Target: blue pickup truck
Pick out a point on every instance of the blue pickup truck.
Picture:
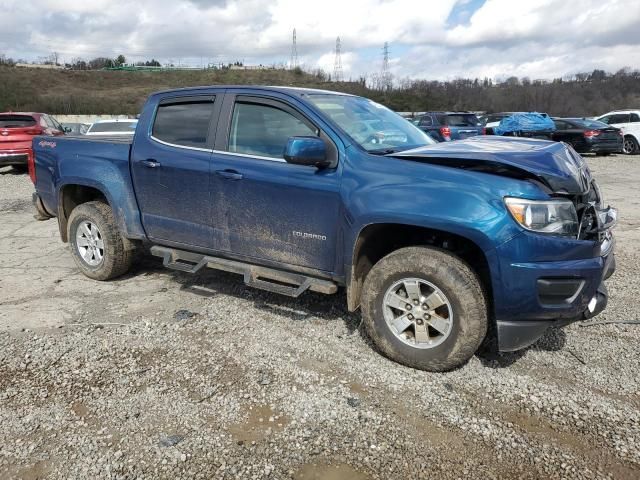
(441, 246)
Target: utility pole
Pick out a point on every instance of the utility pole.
(294, 52)
(385, 77)
(337, 64)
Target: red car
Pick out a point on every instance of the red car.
(17, 130)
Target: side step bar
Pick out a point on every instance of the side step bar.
(265, 278)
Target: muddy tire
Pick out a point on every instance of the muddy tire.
(97, 246)
(444, 319)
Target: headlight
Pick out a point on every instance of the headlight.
(557, 217)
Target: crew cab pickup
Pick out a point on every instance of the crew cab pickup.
(441, 246)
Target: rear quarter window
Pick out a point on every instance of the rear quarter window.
(16, 121)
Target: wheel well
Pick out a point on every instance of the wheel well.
(70, 197)
(377, 241)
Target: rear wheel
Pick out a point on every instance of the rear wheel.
(424, 308)
(20, 168)
(630, 146)
(97, 246)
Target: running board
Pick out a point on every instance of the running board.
(276, 281)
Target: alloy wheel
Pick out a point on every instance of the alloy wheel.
(418, 313)
(89, 243)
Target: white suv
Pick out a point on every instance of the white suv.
(629, 122)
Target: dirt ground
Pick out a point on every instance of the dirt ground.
(162, 374)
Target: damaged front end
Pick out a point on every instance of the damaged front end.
(542, 282)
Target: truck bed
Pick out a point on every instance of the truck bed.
(104, 159)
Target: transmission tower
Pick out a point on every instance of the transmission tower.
(337, 65)
(294, 52)
(385, 76)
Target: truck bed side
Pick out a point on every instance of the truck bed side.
(70, 167)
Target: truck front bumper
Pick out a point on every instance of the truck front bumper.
(540, 295)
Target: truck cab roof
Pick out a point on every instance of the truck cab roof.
(294, 91)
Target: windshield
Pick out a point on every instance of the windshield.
(111, 127)
(373, 126)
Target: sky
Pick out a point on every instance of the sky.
(431, 39)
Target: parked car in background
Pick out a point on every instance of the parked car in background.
(76, 128)
(113, 127)
(526, 124)
(17, 130)
(492, 120)
(629, 122)
(447, 126)
(588, 136)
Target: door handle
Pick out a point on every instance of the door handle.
(229, 174)
(150, 163)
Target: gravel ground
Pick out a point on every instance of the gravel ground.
(162, 374)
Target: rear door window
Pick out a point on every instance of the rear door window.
(619, 118)
(16, 121)
(184, 122)
(263, 130)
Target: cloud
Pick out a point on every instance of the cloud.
(443, 39)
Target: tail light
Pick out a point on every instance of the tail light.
(445, 131)
(31, 165)
(591, 133)
(34, 131)
(483, 131)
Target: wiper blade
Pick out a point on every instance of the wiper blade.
(384, 151)
(389, 151)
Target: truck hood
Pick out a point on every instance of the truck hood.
(555, 164)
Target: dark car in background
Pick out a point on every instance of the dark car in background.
(588, 136)
(447, 126)
(17, 130)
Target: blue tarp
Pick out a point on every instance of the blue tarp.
(525, 122)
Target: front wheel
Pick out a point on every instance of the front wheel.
(424, 307)
(97, 246)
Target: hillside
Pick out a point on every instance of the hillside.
(88, 92)
(124, 92)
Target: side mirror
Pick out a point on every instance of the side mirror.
(67, 129)
(310, 151)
